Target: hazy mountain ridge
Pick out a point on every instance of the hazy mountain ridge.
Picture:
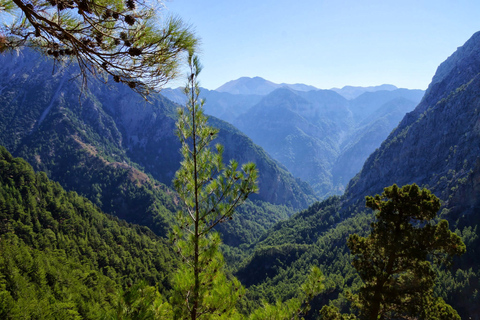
(352, 92)
(312, 132)
(320, 148)
(223, 105)
(258, 86)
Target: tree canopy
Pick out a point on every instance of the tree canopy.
(394, 261)
(123, 39)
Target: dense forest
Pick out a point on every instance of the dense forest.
(61, 257)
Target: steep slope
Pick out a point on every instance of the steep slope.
(324, 139)
(321, 137)
(366, 105)
(299, 130)
(148, 132)
(437, 144)
(368, 136)
(76, 142)
(113, 147)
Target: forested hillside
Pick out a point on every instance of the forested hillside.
(61, 257)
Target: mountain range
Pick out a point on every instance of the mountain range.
(118, 150)
(318, 135)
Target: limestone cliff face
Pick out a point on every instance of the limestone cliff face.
(438, 144)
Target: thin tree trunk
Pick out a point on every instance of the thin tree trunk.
(197, 214)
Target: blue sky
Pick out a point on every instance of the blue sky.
(327, 43)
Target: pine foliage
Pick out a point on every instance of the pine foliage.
(394, 261)
(123, 39)
(211, 191)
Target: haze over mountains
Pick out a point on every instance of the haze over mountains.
(320, 136)
(258, 86)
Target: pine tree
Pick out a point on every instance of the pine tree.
(394, 260)
(210, 191)
(123, 39)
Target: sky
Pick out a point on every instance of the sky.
(327, 44)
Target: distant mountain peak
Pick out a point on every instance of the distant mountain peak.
(258, 86)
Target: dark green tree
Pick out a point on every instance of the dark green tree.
(395, 260)
(210, 191)
(124, 39)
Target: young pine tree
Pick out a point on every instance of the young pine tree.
(210, 191)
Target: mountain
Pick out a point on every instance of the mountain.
(222, 105)
(367, 136)
(437, 145)
(119, 150)
(351, 92)
(367, 104)
(320, 136)
(299, 129)
(324, 139)
(258, 86)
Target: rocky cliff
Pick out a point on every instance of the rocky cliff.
(437, 144)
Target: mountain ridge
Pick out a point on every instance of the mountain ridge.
(258, 86)
(118, 150)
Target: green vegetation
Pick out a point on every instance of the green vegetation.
(210, 191)
(393, 261)
(107, 148)
(60, 257)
